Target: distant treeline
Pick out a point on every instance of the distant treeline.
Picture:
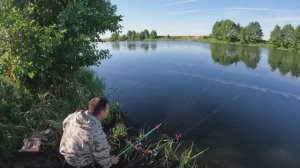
(133, 35)
(286, 62)
(287, 37)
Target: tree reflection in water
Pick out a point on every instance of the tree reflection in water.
(144, 45)
(285, 61)
(232, 54)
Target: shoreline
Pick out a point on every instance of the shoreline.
(208, 40)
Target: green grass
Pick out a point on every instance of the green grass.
(207, 39)
(169, 154)
(119, 131)
(23, 113)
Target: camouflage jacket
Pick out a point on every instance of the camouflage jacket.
(84, 141)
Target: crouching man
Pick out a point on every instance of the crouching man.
(84, 143)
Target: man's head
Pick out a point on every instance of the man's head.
(99, 107)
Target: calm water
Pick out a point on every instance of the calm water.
(243, 102)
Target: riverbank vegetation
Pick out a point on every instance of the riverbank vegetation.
(227, 31)
(286, 38)
(46, 48)
(132, 35)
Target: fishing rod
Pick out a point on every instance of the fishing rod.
(178, 137)
(143, 137)
(157, 149)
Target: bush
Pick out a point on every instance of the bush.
(15, 101)
(44, 42)
(25, 113)
(79, 88)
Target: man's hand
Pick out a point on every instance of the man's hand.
(115, 159)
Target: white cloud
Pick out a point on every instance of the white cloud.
(226, 9)
(280, 19)
(178, 3)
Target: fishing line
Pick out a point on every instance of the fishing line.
(207, 115)
(144, 156)
(222, 121)
(174, 112)
(203, 117)
(140, 139)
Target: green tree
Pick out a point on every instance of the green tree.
(231, 30)
(216, 31)
(252, 33)
(44, 45)
(239, 27)
(153, 34)
(276, 37)
(226, 30)
(115, 37)
(288, 36)
(123, 38)
(134, 35)
(146, 33)
(130, 35)
(297, 36)
(44, 41)
(141, 35)
(242, 36)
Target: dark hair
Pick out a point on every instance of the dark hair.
(97, 104)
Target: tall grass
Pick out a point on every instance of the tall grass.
(119, 131)
(23, 113)
(79, 88)
(14, 101)
(40, 114)
(160, 151)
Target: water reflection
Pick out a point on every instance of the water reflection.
(229, 54)
(132, 45)
(144, 46)
(115, 45)
(153, 46)
(285, 61)
(225, 110)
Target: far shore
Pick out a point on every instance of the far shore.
(206, 39)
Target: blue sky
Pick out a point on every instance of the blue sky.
(196, 17)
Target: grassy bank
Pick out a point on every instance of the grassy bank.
(207, 39)
(26, 114)
(45, 48)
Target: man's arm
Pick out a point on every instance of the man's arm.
(101, 150)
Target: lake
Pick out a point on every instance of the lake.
(243, 102)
